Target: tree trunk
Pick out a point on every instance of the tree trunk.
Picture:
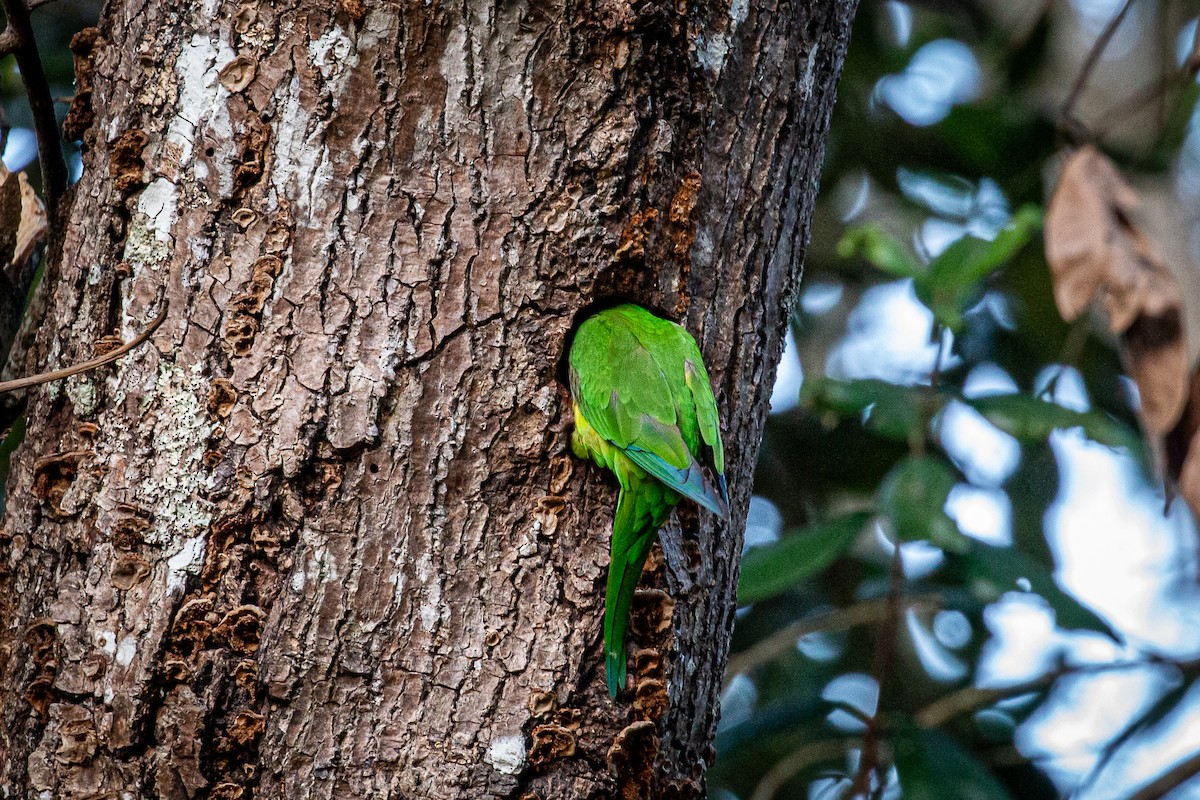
(323, 536)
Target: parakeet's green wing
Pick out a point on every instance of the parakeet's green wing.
(627, 378)
(706, 417)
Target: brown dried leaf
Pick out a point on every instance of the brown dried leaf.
(33, 224)
(1076, 228)
(1079, 228)
(1157, 360)
(1094, 250)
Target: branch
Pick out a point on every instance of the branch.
(1171, 779)
(9, 42)
(800, 759)
(41, 103)
(784, 639)
(884, 648)
(970, 698)
(90, 364)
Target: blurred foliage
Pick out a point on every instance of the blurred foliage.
(54, 23)
(850, 677)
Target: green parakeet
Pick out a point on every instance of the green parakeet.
(644, 409)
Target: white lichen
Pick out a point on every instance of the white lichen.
(738, 9)
(429, 616)
(178, 477)
(506, 754)
(143, 249)
(333, 51)
(159, 204)
(187, 559)
(202, 99)
(126, 651)
(302, 168)
(806, 81)
(711, 51)
(82, 394)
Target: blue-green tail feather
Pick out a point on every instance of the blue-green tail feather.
(692, 482)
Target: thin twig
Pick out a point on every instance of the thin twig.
(800, 759)
(41, 104)
(885, 645)
(838, 619)
(90, 364)
(1165, 55)
(1173, 778)
(889, 631)
(1072, 349)
(918, 436)
(5, 129)
(935, 374)
(971, 698)
(1067, 115)
(1192, 62)
(1124, 110)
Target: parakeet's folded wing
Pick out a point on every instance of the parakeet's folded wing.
(706, 417)
(627, 398)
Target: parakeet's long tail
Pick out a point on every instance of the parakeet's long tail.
(642, 507)
(623, 575)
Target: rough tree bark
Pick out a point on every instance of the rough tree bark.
(323, 537)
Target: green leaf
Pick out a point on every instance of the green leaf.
(894, 412)
(932, 766)
(913, 496)
(946, 194)
(995, 725)
(883, 250)
(774, 568)
(954, 279)
(992, 571)
(1032, 419)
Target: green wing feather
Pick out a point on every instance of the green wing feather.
(706, 417)
(641, 383)
(645, 410)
